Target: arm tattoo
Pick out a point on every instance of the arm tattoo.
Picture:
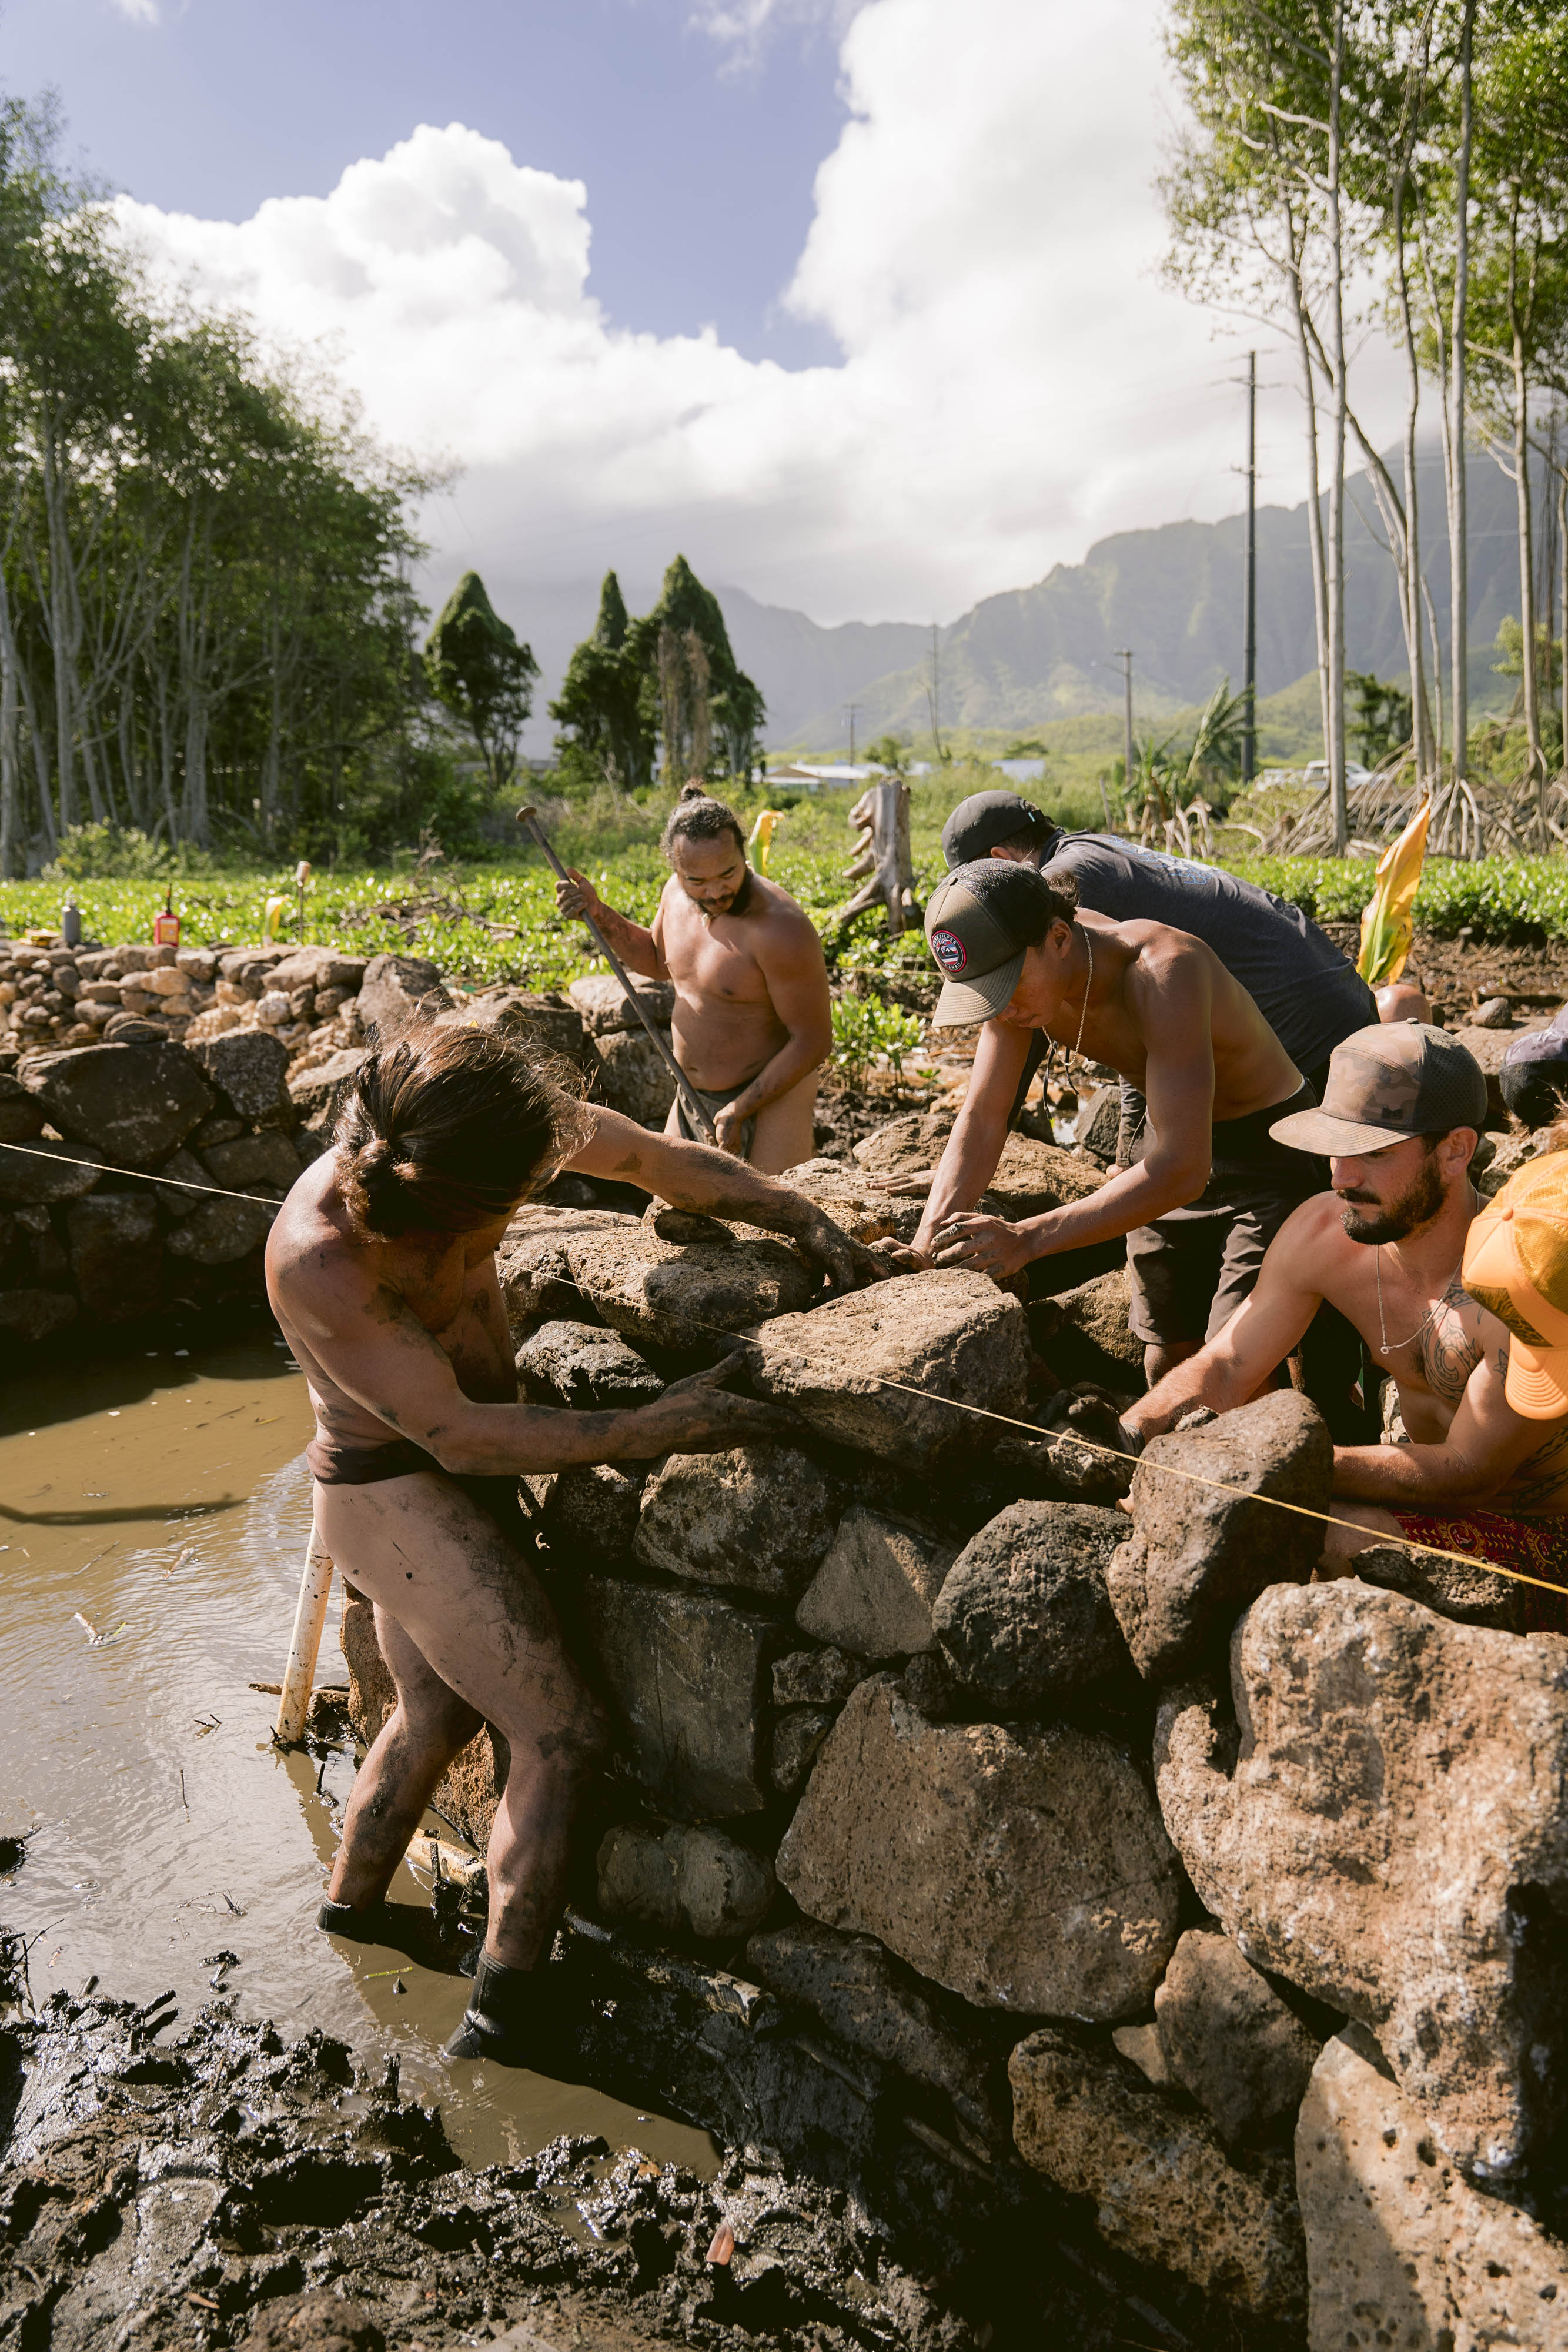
(1537, 1484)
(1448, 1353)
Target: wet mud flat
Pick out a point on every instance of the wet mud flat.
(212, 2185)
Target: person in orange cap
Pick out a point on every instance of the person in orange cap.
(1452, 1296)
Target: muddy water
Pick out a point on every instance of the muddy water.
(154, 1517)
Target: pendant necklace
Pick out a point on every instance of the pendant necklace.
(1088, 988)
(1386, 1345)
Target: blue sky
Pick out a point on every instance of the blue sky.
(699, 154)
(857, 303)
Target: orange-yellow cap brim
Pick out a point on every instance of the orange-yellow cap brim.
(1536, 1385)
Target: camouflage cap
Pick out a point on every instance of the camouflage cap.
(1386, 1083)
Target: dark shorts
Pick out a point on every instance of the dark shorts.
(1191, 1270)
(334, 1464)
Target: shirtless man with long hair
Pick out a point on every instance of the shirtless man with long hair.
(382, 1271)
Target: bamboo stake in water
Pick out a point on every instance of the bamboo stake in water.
(309, 1617)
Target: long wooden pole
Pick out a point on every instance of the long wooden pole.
(695, 1111)
(310, 1618)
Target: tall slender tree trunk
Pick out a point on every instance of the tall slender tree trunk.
(1562, 611)
(1529, 683)
(1458, 531)
(1315, 506)
(11, 859)
(1420, 709)
(1335, 748)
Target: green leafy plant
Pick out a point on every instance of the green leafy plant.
(866, 1031)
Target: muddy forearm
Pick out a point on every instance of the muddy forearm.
(503, 1441)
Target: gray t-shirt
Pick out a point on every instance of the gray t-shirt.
(1309, 996)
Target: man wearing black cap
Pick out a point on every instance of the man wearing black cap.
(1306, 992)
(1159, 1006)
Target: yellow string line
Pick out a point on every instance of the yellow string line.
(981, 1412)
(67, 1159)
(1171, 1469)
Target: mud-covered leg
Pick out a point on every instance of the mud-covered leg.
(398, 1778)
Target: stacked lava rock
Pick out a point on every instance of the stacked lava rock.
(1101, 1860)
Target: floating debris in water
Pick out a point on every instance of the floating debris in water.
(95, 1640)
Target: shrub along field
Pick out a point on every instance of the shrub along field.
(497, 921)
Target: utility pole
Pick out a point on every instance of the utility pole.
(933, 697)
(1250, 585)
(1124, 653)
(851, 707)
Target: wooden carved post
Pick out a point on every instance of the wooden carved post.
(882, 854)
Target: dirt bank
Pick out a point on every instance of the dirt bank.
(217, 2186)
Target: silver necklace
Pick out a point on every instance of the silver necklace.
(1385, 1345)
(1077, 1047)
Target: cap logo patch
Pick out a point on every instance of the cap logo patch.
(949, 951)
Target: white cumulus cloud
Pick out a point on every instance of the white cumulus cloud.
(1014, 380)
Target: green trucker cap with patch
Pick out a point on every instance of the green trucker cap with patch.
(981, 919)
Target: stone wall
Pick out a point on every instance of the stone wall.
(1228, 1909)
(220, 1067)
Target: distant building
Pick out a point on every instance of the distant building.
(812, 775)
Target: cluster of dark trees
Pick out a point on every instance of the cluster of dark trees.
(668, 680)
(1406, 158)
(207, 631)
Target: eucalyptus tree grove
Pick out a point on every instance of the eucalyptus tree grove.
(1401, 161)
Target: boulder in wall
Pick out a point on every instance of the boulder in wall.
(248, 1067)
(1394, 1839)
(1026, 1872)
(1164, 2189)
(633, 1077)
(1024, 1618)
(694, 1295)
(757, 1516)
(396, 991)
(133, 1104)
(548, 1022)
(116, 1255)
(896, 1370)
(698, 1880)
(1206, 1543)
(876, 1587)
(1400, 2249)
(584, 1367)
(1227, 2038)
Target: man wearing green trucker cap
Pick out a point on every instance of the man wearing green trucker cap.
(1304, 988)
(1208, 1187)
(1408, 1250)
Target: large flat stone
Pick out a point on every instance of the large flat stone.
(584, 1367)
(694, 1296)
(548, 1021)
(1394, 1839)
(600, 1002)
(1029, 1873)
(1163, 2189)
(1401, 2250)
(44, 1171)
(889, 1369)
(1205, 1544)
(760, 1517)
(1024, 1619)
(686, 1674)
(133, 1104)
(875, 1589)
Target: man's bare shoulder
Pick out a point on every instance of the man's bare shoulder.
(1313, 1240)
(782, 918)
(310, 1241)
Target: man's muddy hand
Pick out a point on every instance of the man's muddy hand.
(729, 1131)
(849, 1265)
(698, 1415)
(1090, 1412)
(981, 1246)
(577, 897)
